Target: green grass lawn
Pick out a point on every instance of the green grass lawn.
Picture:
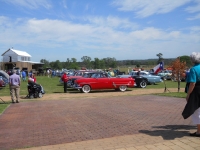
(3, 107)
(52, 85)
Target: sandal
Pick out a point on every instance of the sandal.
(195, 134)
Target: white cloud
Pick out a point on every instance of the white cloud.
(194, 17)
(195, 28)
(64, 3)
(3, 20)
(194, 9)
(152, 34)
(59, 31)
(145, 8)
(87, 6)
(31, 4)
(113, 22)
(95, 38)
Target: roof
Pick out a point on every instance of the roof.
(19, 53)
(33, 62)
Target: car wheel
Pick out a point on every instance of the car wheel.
(143, 84)
(123, 88)
(86, 89)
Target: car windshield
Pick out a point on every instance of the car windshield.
(95, 75)
(87, 75)
(123, 76)
(99, 75)
(146, 73)
(79, 73)
(141, 73)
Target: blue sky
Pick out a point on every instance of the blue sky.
(123, 29)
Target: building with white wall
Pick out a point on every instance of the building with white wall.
(18, 59)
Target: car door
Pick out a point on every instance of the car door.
(104, 82)
(94, 81)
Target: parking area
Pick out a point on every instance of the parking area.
(56, 122)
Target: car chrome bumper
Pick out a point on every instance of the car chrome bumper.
(76, 87)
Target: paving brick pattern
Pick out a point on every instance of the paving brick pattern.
(41, 123)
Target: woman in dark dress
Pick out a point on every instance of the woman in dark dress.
(192, 107)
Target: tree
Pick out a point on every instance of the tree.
(56, 65)
(186, 59)
(113, 63)
(160, 58)
(110, 62)
(96, 63)
(178, 69)
(66, 64)
(86, 61)
(128, 62)
(138, 65)
(73, 64)
(102, 64)
(45, 62)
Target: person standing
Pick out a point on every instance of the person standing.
(192, 107)
(138, 73)
(23, 75)
(64, 79)
(14, 83)
(48, 72)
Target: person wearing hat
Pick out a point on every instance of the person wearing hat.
(64, 79)
(14, 84)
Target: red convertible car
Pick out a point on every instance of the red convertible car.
(102, 80)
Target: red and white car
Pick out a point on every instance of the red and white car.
(75, 74)
(102, 80)
(2, 83)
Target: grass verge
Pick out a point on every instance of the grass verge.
(173, 94)
(3, 107)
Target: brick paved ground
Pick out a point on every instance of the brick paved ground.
(42, 123)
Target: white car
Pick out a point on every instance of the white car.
(165, 74)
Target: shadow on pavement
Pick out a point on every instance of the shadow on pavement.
(169, 132)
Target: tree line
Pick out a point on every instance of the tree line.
(105, 63)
